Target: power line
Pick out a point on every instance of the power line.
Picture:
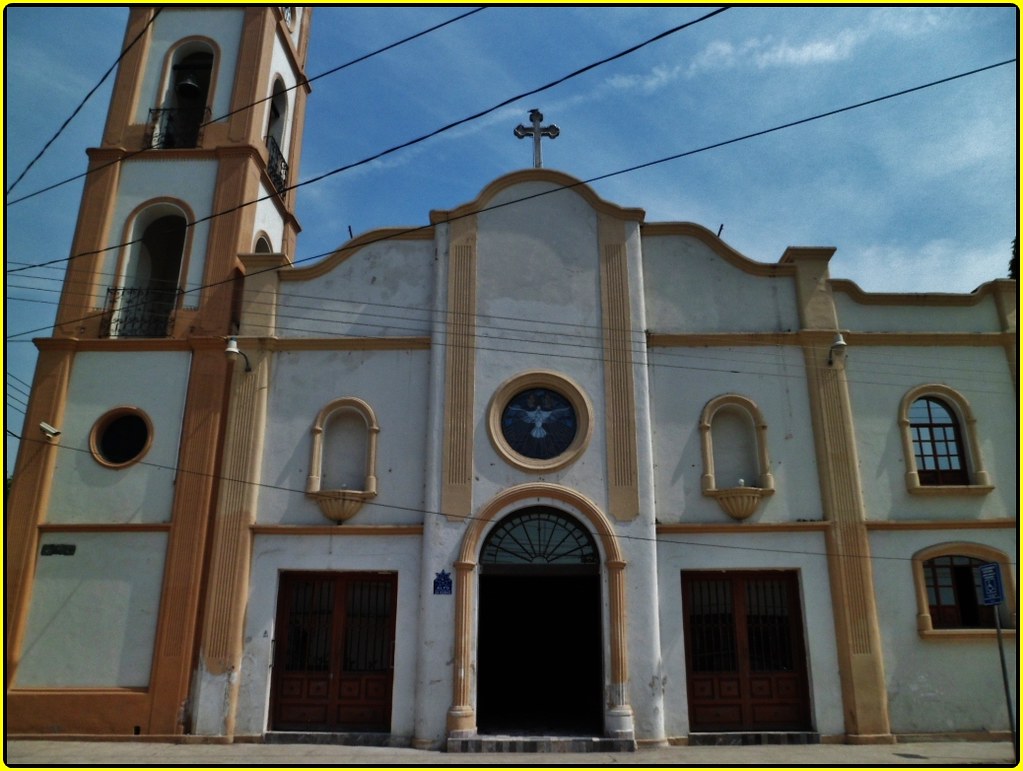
(621, 536)
(540, 194)
(403, 145)
(567, 335)
(233, 112)
(81, 104)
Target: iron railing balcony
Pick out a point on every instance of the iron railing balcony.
(176, 127)
(139, 312)
(276, 166)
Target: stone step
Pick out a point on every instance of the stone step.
(734, 738)
(499, 743)
(348, 738)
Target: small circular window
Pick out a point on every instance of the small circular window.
(539, 421)
(121, 437)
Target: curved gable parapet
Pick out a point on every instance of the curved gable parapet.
(863, 297)
(719, 247)
(564, 182)
(327, 264)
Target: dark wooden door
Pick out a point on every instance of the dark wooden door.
(334, 658)
(745, 658)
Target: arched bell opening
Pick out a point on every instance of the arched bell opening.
(540, 643)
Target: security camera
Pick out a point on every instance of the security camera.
(49, 430)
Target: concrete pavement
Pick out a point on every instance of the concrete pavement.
(32, 752)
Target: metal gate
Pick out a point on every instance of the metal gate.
(745, 658)
(334, 657)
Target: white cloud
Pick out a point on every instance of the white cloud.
(940, 265)
(834, 49)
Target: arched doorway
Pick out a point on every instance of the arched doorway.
(539, 646)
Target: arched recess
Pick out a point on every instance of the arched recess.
(143, 301)
(977, 551)
(276, 136)
(263, 245)
(978, 480)
(184, 105)
(346, 432)
(736, 463)
(618, 721)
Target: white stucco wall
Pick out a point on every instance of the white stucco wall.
(268, 220)
(273, 554)
(381, 290)
(683, 380)
(92, 618)
(878, 379)
(937, 685)
(916, 317)
(393, 383)
(804, 552)
(689, 288)
(84, 491)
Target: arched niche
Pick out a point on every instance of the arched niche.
(736, 465)
(342, 469)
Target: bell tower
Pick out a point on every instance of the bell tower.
(201, 144)
(190, 184)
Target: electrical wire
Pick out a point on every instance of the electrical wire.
(250, 106)
(495, 332)
(666, 159)
(82, 103)
(403, 145)
(424, 513)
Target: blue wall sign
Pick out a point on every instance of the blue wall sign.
(991, 583)
(442, 583)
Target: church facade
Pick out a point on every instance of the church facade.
(538, 468)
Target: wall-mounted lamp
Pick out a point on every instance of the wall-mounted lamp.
(50, 431)
(233, 352)
(837, 350)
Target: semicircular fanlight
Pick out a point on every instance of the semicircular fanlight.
(539, 536)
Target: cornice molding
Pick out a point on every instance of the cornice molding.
(565, 181)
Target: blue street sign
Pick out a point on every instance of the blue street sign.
(991, 583)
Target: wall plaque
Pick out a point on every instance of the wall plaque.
(442, 583)
(61, 549)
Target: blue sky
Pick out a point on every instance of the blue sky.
(918, 193)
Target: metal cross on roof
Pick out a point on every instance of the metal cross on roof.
(536, 131)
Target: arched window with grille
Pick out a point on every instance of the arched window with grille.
(939, 436)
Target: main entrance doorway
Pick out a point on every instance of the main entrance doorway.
(745, 658)
(539, 662)
(334, 652)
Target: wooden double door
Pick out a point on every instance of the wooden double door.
(745, 654)
(334, 652)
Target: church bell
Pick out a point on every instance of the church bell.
(188, 87)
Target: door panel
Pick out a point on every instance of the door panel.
(745, 658)
(333, 668)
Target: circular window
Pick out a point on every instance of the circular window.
(121, 437)
(539, 421)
